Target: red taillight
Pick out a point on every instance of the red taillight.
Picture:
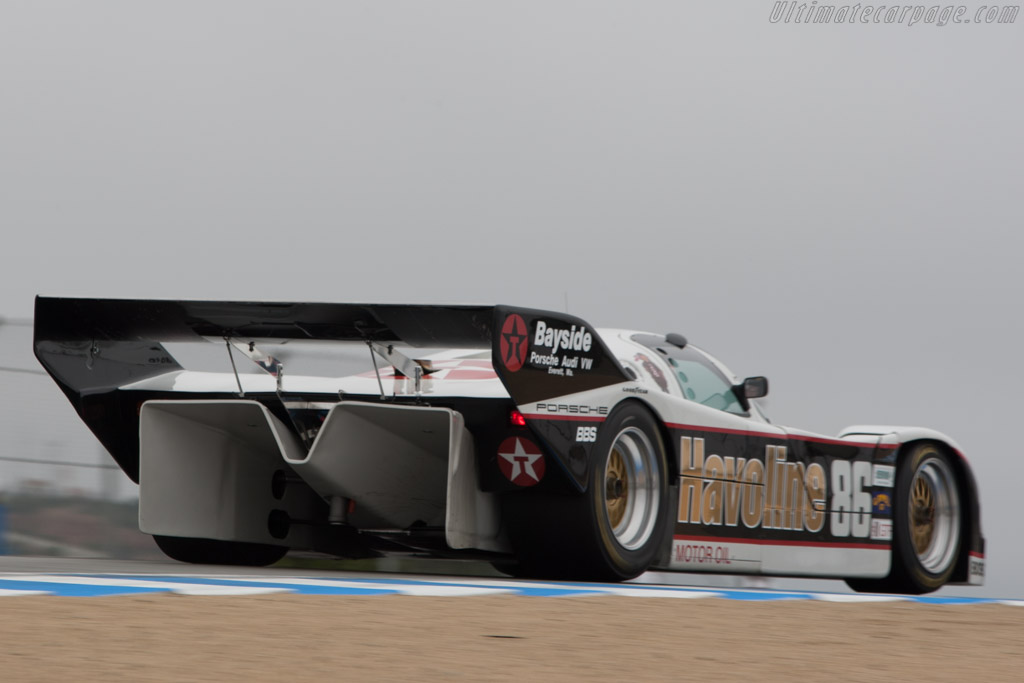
(517, 419)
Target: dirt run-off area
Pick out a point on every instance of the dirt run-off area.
(169, 637)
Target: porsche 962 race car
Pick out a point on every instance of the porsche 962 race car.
(524, 437)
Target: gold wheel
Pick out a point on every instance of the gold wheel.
(616, 488)
(632, 488)
(922, 514)
(933, 514)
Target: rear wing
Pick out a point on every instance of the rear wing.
(100, 344)
(93, 347)
(121, 320)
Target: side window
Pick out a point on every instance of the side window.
(701, 382)
(698, 378)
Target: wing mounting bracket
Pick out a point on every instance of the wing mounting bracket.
(416, 369)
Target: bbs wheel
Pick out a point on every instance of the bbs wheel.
(614, 530)
(628, 490)
(927, 524)
(209, 551)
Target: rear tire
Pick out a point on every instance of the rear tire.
(928, 525)
(209, 551)
(615, 530)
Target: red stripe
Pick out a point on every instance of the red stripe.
(717, 430)
(571, 418)
(862, 444)
(980, 556)
(781, 437)
(762, 541)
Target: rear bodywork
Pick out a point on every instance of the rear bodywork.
(414, 453)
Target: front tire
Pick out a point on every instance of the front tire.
(209, 551)
(614, 530)
(927, 525)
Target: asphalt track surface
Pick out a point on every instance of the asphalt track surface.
(23, 576)
(103, 620)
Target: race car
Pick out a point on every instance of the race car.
(523, 437)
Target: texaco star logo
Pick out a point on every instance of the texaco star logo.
(513, 342)
(521, 461)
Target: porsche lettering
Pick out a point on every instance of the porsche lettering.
(571, 409)
(538, 359)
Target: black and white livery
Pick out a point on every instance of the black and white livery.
(520, 436)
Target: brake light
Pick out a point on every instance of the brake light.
(517, 419)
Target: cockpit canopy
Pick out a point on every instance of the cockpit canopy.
(699, 379)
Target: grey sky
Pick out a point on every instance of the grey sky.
(837, 207)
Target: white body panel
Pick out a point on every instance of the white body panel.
(786, 560)
(893, 434)
(454, 376)
(392, 461)
(207, 467)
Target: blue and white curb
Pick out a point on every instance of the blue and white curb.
(97, 585)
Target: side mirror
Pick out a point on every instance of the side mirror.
(751, 387)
